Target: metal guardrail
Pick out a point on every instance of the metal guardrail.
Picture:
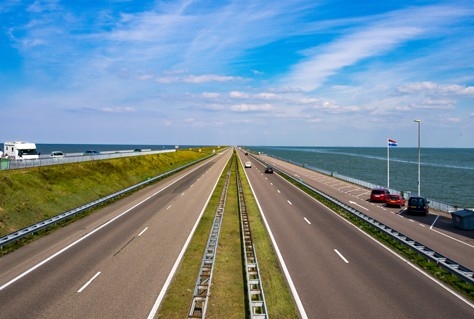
(53, 220)
(73, 158)
(447, 208)
(203, 282)
(255, 294)
(450, 265)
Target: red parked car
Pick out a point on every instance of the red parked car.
(395, 200)
(379, 195)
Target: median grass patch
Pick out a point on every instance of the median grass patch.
(228, 289)
(227, 299)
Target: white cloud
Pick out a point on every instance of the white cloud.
(208, 95)
(313, 71)
(453, 119)
(118, 109)
(267, 96)
(377, 38)
(436, 89)
(209, 78)
(238, 95)
(196, 79)
(251, 107)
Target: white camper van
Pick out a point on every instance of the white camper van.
(20, 150)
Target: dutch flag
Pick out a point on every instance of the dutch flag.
(392, 142)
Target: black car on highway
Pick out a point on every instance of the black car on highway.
(269, 170)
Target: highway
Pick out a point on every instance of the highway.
(435, 230)
(113, 263)
(337, 270)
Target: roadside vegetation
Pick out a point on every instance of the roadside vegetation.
(457, 283)
(28, 196)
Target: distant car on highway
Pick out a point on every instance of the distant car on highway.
(248, 164)
(395, 200)
(57, 154)
(91, 152)
(379, 195)
(269, 170)
(417, 205)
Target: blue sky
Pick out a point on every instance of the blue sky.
(243, 72)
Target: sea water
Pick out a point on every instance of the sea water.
(447, 174)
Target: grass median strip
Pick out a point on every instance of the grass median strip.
(228, 296)
(227, 299)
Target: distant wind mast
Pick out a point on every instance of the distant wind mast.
(390, 142)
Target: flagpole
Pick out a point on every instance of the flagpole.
(388, 164)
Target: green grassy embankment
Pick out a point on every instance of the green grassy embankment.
(30, 195)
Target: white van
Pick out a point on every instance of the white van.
(20, 150)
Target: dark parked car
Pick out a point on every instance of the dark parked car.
(269, 170)
(417, 205)
(91, 152)
(379, 195)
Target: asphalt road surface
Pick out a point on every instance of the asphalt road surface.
(434, 231)
(337, 270)
(113, 263)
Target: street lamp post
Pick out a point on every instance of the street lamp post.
(419, 172)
